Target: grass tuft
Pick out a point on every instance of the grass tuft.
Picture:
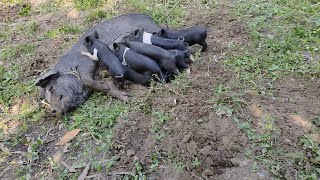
(163, 12)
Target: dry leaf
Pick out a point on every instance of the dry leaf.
(300, 121)
(68, 137)
(70, 168)
(85, 172)
(257, 112)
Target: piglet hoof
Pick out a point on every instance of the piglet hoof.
(115, 92)
(192, 58)
(188, 71)
(93, 56)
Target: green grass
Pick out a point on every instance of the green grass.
(89, 4)
(10, 86)
(281, 33)
(97, 15)
(25, 10)
(163, 12)
(97, 116)
(64, 30)
(10, 52)
(47, 7)
(284, 41)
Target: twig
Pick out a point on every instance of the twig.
(178, 94)
(70, 168)
(93, 176)
(85, 172)
(120, 173)
(173, 109)
(4, 171)
(175, 5)
(100, 142)
(193, 175)
(155, 147)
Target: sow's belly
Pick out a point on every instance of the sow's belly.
(115, 29)
(109, 31)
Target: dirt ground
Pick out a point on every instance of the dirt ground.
(194, 130)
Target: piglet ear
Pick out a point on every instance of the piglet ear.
(95, 34)
(116, 47)
(137, 32)
(87, 41)
(161, 32)
(43, 80)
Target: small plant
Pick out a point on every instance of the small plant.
(225, 101)
(25, 10)
(64, 30)
(156, 127)
(97, 15)
(88, 4)
(196, 162)
(155, 163)
(168, 12)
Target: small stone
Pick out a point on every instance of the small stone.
(263, 175)
(116, 157)
(130, 152)
(187, 137)
(200, 120)
(73, 14)
(205, 150)
(208, 172)
(235, 161)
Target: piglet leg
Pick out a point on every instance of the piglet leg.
(106, 86)
(115, 92)
(93, 56)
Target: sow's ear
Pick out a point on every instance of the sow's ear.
(43, 80)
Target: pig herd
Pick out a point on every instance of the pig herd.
(131, 47)
(142, 57)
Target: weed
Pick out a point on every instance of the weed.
(88, 4)
(154, 164)
(181, 83)
(311, 165)
(196, 162)
(64, 30)
(225, 101)
(161, 118)
(50, 6)
(12, 2)
(168, 12)
(97, 15)
(25, 10)
(97, 116)
(284, 40)
(10, 87)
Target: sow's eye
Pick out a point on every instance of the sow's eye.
(60, 97)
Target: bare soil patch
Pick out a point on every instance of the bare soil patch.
(195, 130)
